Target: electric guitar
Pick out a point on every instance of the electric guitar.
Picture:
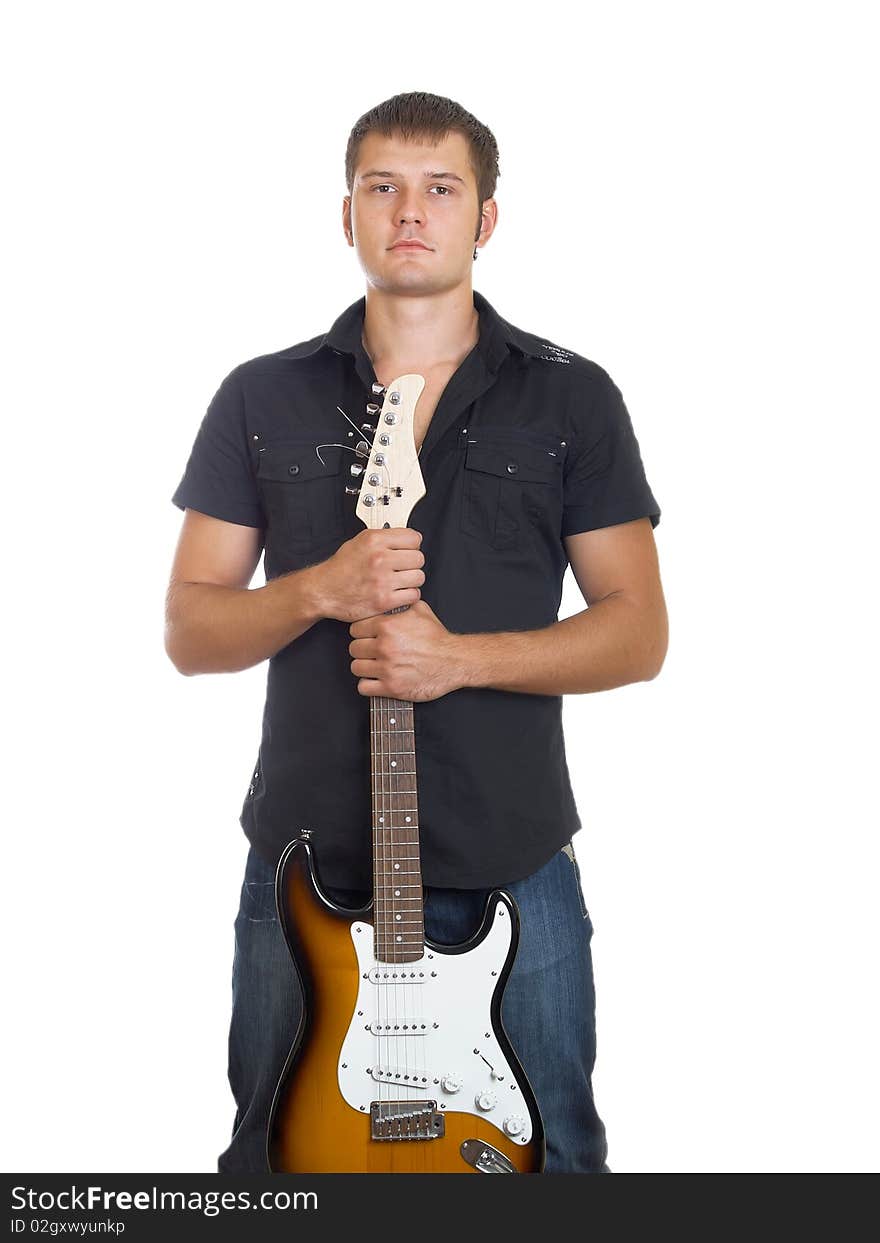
(400, 1063)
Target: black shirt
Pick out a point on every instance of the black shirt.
(529, 443)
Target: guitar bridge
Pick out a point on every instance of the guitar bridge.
(399, 1120)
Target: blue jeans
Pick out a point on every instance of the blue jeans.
(548, 1010)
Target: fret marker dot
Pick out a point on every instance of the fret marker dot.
(408, 818)
(398, 938)
(381, 819)
(394, 763)
(397, 893)
(393, 722)
(397, 865)
(397, 917)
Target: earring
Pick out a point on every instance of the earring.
(475, 252)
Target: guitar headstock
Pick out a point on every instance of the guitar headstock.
(391, 479)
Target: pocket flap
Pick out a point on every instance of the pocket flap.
(514, 460)
(297, 461)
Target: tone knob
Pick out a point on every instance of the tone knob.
(450, 1083)
(514, 1125)
(486, 1101)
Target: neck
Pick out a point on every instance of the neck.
(413, 334)
(397, 877)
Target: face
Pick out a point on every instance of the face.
(419, 192)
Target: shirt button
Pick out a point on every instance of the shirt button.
(293, 470)
(512, 468)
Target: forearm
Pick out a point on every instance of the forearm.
(613, 643)
(215, 629)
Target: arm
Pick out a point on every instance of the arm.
(621, 638)
(214, 623)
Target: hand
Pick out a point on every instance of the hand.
(409, 655)
(377, 570)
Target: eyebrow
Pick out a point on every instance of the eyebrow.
(383, 172)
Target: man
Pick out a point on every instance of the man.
(530, 463)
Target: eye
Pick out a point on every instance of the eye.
(446, 190)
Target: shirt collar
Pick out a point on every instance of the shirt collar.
(497, 336)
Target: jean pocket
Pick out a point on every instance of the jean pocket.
(568, 850)
(257, 899)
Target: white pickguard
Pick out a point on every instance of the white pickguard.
(417, 1024)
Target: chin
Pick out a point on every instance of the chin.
(414, 283)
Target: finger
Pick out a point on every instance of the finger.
(370, 686)
(405, 558)
(408, 578)
(363, 668)
(364, 628)
(393, 537)
(406, 595)
(403, 537)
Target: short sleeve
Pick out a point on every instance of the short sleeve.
(219, 478)
(605, 480)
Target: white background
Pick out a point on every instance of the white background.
(688, 197)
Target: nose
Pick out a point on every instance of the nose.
(408, 208)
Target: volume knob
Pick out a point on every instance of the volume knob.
(486, 1101)
(450, 1083)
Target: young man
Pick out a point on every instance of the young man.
(530, 462)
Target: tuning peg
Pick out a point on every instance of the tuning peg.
(356, 470)
(378, 390)
(353, 491)
(362, 449)
(368, 427)
(372, 408)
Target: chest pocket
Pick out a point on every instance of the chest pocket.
(512, 483)
(302, 497)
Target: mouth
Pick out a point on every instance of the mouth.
(409, 246)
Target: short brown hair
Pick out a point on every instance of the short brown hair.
(418, 115)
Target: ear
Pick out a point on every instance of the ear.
(488, 220)
(346, 220)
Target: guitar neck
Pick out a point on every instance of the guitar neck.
(397, 872)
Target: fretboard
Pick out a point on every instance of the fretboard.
(397, 873)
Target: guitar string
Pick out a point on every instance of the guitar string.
(408, 996)
(377, 842)
(382, 996)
